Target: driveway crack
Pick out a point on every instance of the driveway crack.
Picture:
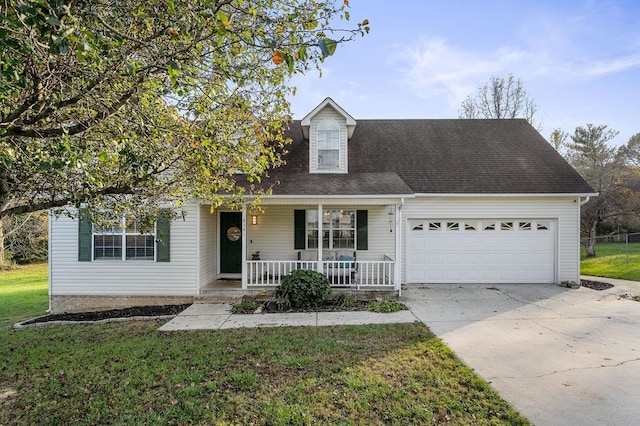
(566, 370)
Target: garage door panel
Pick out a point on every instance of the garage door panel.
(510, 250)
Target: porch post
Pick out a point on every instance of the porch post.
(320, 266)
(244, 247)
(397, 270)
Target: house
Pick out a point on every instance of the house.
(374, 204)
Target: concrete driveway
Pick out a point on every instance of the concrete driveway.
(559, 356)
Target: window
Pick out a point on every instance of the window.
(328, 145)
(453, 226)
(525, 226)
(434, 226)
(123, 240)
(338, 229)
(506, 226)
(489, 225)
(543, 225)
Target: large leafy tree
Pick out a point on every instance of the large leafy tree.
(500, 98)
(130, 103)
(603, 166)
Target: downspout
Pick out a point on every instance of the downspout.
(584, 200)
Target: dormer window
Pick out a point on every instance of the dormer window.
(328, 129)
(328, 144)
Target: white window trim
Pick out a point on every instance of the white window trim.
(330, 229)
(123, 242)
(325, 128)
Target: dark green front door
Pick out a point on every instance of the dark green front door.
(230, 242)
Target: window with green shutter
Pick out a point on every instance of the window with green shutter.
(123, 239)
(341, 229)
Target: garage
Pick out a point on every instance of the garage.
(481, 250)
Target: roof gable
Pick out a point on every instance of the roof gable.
(328, 102)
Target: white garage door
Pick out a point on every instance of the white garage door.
(481, 251)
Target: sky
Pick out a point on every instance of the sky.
(578, 60)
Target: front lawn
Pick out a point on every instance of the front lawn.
(129, 373)
(23, 293)
(611, 261)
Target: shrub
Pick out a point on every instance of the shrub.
(303, 288)
(386, 306)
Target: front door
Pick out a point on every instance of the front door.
(230, 242)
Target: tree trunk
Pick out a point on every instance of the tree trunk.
(590, 247)
(2, 262)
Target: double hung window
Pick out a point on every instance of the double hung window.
(123, 240)
(328, 145)
(338, 229)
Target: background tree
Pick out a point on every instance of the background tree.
(500, 98)
(123, 105)
(25, 237)
(558, 140)
(603, 167)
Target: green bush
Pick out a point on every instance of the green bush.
(303, 288)
(386, 306)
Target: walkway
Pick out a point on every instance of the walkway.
(203, 316)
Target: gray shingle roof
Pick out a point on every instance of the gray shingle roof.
(435, 157)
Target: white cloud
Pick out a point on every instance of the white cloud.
(435, 68)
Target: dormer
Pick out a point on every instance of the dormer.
(328, 129)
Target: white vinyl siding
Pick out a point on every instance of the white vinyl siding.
(175, 278)
(208, 244)
(561, 209)
(274, 234)
(322, 118)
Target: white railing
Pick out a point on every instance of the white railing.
(269, 272)
(359, 273)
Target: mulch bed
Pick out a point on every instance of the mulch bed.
(137, 311)
(326, 306)
(595, 285)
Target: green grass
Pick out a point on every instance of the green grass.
(23, 293)
(129, 373)
(611, 261)
(386, 306)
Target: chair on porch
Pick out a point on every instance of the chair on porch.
(340, 267)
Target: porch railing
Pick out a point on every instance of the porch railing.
(359, 273)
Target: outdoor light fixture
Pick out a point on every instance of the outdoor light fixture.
(254, 219)
(391, 218)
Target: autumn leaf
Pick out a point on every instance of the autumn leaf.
(278, 58)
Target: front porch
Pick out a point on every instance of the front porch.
(356, 245)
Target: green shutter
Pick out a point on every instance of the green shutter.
(299, 225)
(163, 238)
(84, 236)
(362, 231)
